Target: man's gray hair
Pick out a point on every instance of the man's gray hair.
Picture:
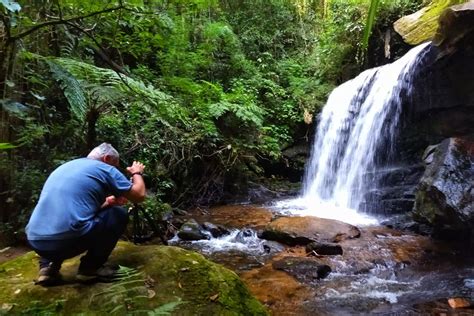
(104, 149)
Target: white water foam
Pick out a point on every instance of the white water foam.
(324, 209)
(245, 242)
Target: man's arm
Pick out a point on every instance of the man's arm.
(138, 191)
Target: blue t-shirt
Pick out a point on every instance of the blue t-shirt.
(72, 196)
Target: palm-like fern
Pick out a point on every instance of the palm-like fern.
(134, 90)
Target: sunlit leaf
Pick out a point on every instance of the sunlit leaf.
(370, 21)
(4, 146)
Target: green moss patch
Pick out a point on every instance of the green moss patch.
(421, 26)
(156, 280)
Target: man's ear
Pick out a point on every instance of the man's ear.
(110, 160)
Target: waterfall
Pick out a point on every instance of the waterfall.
(356, 131)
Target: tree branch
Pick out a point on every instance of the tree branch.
(6, 24)
(100, 50)
(63, 21)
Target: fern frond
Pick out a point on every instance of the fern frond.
(135, 89)
(72, 90)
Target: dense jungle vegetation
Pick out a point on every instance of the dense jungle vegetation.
(207, 93)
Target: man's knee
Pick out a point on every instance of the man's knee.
(114, 217)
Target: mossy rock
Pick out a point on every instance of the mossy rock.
(158, 280)
(422, 25)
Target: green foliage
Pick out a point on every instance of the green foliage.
(4, 146)
(370, 22)
(198, 90)
(72, 90)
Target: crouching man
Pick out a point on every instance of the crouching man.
(79, 211)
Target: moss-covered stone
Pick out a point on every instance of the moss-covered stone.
(422, 25)
(157, 278)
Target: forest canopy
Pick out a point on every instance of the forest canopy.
(207, 93)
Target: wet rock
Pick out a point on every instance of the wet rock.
(267, 248)
(243, 234)
(259, 194)
(455, 25)
(329, 249)
(177, 222)
(445, 197)
(179, 212)
(406, 222)
(304, 230)
(215, 230)
(191, 230)
(251, 216)
(305, 270)
(395, 190)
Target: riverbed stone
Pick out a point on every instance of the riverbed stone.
(445, 196)
(215, 230)
(155, 276)
(191, 230)
(305, 270)
(307, 229)
(324, 248)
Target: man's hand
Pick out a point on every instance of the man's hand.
(137, 192)
(136, 167)
(114, 201)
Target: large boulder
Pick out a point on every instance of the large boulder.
(422, 25)
(307, 229)
(445, 197)
(455, 26)
(159, 280)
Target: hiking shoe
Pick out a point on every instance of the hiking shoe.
(103, 272)
(48, 276)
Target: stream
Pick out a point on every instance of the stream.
(383, 272)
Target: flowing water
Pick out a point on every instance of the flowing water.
(355, 136)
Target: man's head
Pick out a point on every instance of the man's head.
(105, 153)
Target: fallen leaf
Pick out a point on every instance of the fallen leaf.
(7, 307)
(459, 302)
(214, 297)
(179, 285)
(151, 293)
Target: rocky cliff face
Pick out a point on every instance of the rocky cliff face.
(441, 111)
(445, 196)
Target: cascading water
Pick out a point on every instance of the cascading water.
(356, 131)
